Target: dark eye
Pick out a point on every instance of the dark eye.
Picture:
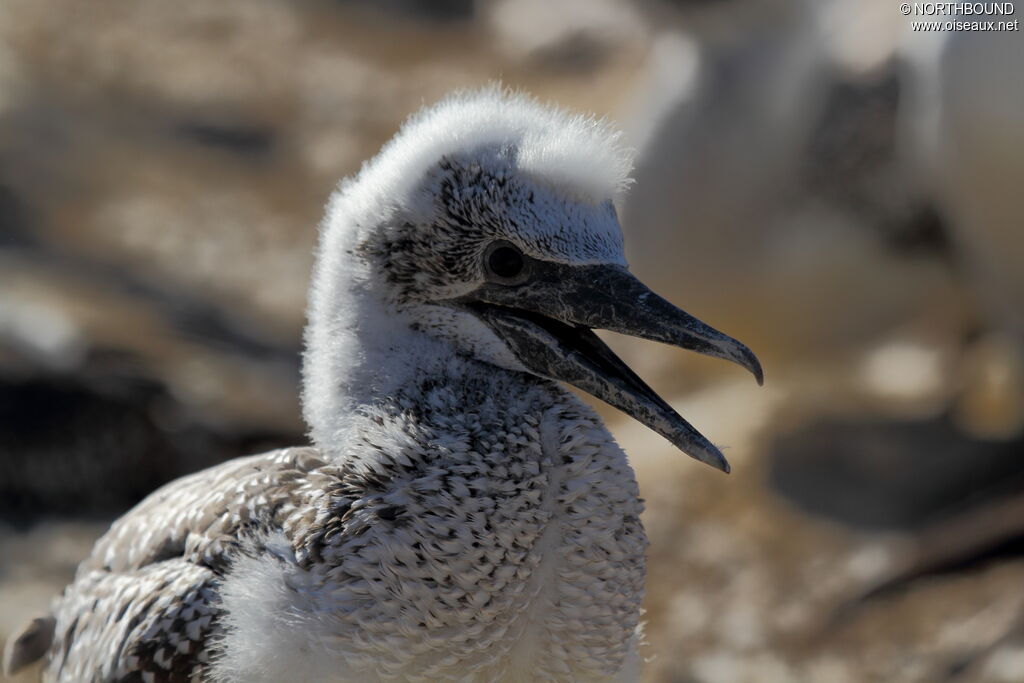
(505, 262)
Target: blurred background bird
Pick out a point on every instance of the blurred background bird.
(162, 170)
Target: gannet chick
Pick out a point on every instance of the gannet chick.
(461, 515)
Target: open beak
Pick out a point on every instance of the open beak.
(547, 323)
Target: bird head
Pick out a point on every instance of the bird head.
(489, 223)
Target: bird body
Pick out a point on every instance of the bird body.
(460, 516)
(504, 530)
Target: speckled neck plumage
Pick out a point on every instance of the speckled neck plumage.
(490, 532)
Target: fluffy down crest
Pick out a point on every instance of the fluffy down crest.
(578, 156)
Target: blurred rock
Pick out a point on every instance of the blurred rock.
(569, 37)
(892, 475)
(433, 10)
(991, 405)
(89, 445)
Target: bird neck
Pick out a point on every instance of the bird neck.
(363, 353)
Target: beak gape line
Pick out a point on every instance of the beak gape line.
(547, 322)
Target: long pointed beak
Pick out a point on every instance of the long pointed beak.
(546, 323)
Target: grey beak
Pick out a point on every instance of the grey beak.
(546, 323)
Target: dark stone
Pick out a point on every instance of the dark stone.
(92, 445)
(430, 10)
(15, 220)
(892, 475)
(241, 139)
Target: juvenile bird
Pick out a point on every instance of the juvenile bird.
(460, 515)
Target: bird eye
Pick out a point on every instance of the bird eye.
(505, 263)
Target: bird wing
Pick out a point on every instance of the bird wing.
(201, 517)
(143, 606)
(147, 624)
